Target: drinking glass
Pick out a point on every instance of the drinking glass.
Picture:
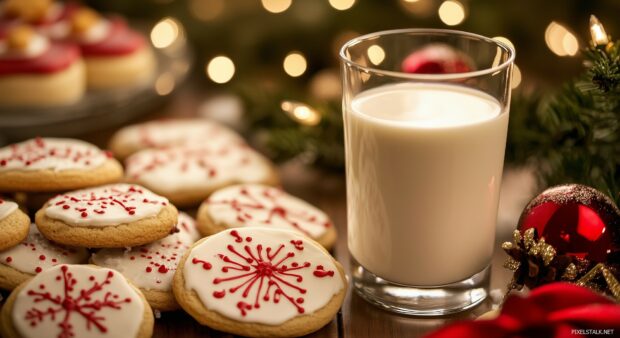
(424, 160)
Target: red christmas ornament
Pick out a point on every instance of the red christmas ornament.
(437, 59)
(577, 221)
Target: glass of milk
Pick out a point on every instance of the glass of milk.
(424, 158)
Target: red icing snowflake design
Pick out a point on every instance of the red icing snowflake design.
(30, 153)
(76, 301)
(247, 204)
(120, 197)
(262, 273)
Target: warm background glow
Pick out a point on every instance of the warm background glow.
(295, 64)
(220, 69)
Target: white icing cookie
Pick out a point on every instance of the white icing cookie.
(259, 205)
(164, 133)
(55, 154)
(6, 208)
(261, 275)
(197, 167)
(78, 301)
(152, 266)
(36, 254)
(105, 205)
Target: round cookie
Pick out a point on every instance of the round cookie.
(55, 164)
(187, 174)
(259, 205)
(172, 132)
(33, 255)
(109, 216)
(260, 282)
(37, 72)
(151, 267)
(13, 224)
(80, 301)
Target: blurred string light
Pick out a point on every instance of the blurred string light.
(301, 113)
(165, 83)
(451, 12)
(599, 36)
(166, 32)
(342, 5)
(206, 10)
(516, 77)
(560, 40)
(376, 54)
(276, 6)
(295, 64)
(220, 69)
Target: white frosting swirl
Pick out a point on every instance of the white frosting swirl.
(51, 154)
(105, 205)
(152, 266)
(78, 301)
(261, 275)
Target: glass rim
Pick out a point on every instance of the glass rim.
(411, 76)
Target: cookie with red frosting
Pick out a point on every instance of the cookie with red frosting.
(108, 216)
(38, 72)
(13, 224)
(55, 164)
(115, 55)
(81, 301)
(34, 255)
(152, 266)
(249, 205)
(171, 132)
(260, 282)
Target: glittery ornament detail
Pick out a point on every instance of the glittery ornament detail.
(261, 274)
(76, 301)
(51, 153)
(263, 206)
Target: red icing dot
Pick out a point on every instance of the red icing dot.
(162, 269)
(9, 259)
(42, 257)
(149, 269)
(38, 269)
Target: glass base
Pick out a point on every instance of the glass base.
(421, 301)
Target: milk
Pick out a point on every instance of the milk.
(424, 167)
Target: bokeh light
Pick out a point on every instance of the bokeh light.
(342, 5)
(165, 33)
(376, 54)
(451, 12)
(164, 84)
(560, 40)
(276, 6)
(301, 113)
(295, 64)
(504, 40)
(220, 69)
(516, 77)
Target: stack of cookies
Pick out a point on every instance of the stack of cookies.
(51, 52)
(109, 245)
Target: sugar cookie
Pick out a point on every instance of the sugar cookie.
(81, 301)
(187, 174)
(33, 255)
(260, 282)
(55, 164)
(151, 267)
(259, 205)
(13, 224)
(171, 132)
(109, 216)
